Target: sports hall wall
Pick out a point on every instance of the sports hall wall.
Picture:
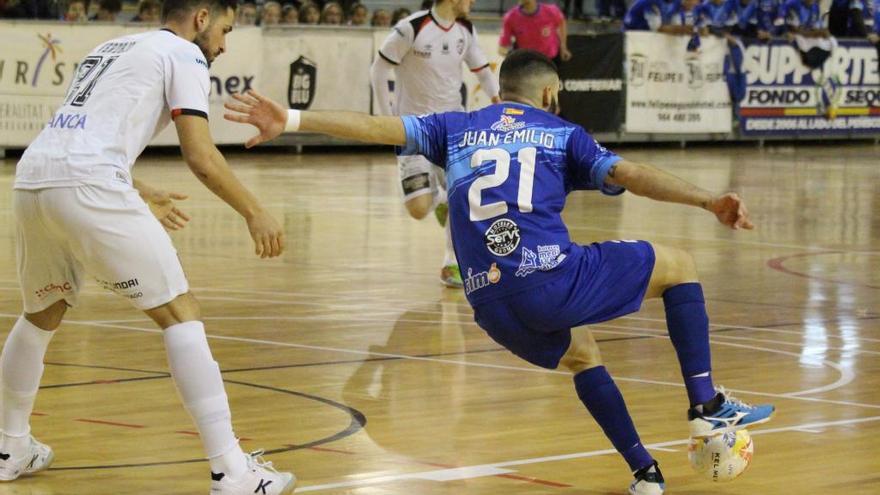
(635, 86)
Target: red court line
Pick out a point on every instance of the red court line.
(778, 264)
(110, 423)
(35, 413)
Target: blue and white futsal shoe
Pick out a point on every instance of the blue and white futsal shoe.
(724, 413)
(649, 481)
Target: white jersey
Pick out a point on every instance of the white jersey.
(125, 91)
(427, 58)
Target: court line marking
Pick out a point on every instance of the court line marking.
(477, 470)
(460, 363)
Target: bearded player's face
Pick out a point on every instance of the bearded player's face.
(211, 38)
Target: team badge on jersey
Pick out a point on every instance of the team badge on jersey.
(503, 237)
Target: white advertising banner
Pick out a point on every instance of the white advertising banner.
(318, 69)
(38, 61)
(672, 90)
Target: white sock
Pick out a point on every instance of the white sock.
(449, 255)
(21, 363)
(200, 385)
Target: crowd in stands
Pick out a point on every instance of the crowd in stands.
(761, 19)
(250, 12)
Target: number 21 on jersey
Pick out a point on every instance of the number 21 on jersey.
(501, 157)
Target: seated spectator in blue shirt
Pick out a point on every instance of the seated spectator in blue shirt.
(802, 17)
(645, 15)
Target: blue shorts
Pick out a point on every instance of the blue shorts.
(607, 281)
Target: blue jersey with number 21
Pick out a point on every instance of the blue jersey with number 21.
(508, 169)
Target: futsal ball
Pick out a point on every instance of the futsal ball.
(722, 457)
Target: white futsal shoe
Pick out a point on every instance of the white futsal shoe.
(38, 457)
(260, 478)
(648, 481)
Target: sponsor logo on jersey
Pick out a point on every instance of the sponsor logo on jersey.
(507, 123)
(477, 281)
(302, 83)
(503, 237)
(445, 49)
(53, 287)
(423, 52)
(547, 258)
(67, 121)
(459, 45)
(514, 111)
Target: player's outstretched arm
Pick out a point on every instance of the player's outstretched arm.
(651, 182)
(271, 119)
(162, 205)
(209, 166)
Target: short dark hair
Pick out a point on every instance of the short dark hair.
(172, 8)
(114, 6)
(521, 65)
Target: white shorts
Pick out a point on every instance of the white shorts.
(111, 234)
(419, 176)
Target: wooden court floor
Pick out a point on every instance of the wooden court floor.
(350, 364)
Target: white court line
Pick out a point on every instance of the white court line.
(488, 468)
(459, 363)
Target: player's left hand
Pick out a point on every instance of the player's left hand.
(564, 54)
(731, 211)
(162, 205)
(255, 109)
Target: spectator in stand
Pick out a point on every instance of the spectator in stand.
(107, 11)
(400, 14)
(289, 14)
(332, 14)
(32, 9)
(76, 11)
(309, 14)
(802, 17)
(535, 26)
(681, 19)
(646, 15)
(358, 15)
(381, 18)
(148, 11)
(851, 18)
(247, 14)
(271, 14)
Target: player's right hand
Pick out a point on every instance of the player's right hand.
(266, 233)
(731, 211)
(255, 109)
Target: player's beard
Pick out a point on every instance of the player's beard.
(201, 41)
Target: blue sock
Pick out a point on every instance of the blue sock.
(688, 326)
(599, 393)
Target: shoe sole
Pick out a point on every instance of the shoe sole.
(728, 429)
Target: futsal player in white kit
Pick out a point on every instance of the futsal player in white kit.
(425, 52)
(78, 210)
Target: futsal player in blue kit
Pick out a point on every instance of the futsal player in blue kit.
(509, 168)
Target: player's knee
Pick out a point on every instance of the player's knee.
(50, 318)
(419, 207)
(582, 354)
(182, 308)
